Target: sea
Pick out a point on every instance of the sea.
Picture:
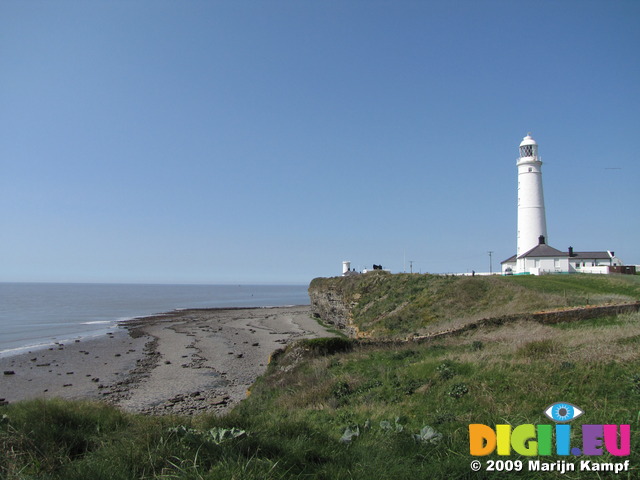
(37, 315)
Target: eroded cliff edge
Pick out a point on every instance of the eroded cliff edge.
(402, 306)
(333, 303)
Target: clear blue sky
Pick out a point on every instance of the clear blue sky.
(268, 141)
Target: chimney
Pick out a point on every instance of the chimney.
(571, 251)
(541, 240)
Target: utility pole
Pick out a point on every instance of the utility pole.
(411, 265)
(490, 263)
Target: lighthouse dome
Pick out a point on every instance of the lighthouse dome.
(528, 148)
(528, 140)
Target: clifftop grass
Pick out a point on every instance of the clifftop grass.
(404, 304)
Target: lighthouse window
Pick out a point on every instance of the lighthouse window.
(526, 151)
(530, 169)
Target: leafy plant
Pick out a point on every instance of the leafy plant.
(216, 435)
(397, 427)
(445, 371)
(349, 434)
(427, 435)
(458, 390)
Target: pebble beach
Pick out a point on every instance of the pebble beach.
(183, 362)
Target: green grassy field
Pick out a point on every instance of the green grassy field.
(341, 409)
(409, 304)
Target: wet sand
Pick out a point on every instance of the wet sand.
(184, 362)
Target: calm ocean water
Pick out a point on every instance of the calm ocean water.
(34, 315)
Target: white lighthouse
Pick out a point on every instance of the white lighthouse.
(532, 222)
(535, 256)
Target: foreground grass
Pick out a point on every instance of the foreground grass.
(317, 394)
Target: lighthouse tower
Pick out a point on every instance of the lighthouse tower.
(532, 223)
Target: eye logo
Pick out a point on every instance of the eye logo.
(562, 412)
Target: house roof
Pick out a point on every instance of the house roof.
(544, 250)
(511, 259)
(591, 255)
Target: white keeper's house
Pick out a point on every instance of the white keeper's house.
(534, 256)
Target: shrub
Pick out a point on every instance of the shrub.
(328, 346)
(458, 390)
(635, 383)
(445, 371)
(341, 390)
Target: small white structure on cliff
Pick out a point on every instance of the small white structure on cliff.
(533, 255)
(346, 269)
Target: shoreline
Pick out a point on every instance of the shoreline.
(54, 342)
(185, 361)
(109, 326)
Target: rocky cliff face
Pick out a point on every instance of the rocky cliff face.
(356, 304)
(332, 305)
